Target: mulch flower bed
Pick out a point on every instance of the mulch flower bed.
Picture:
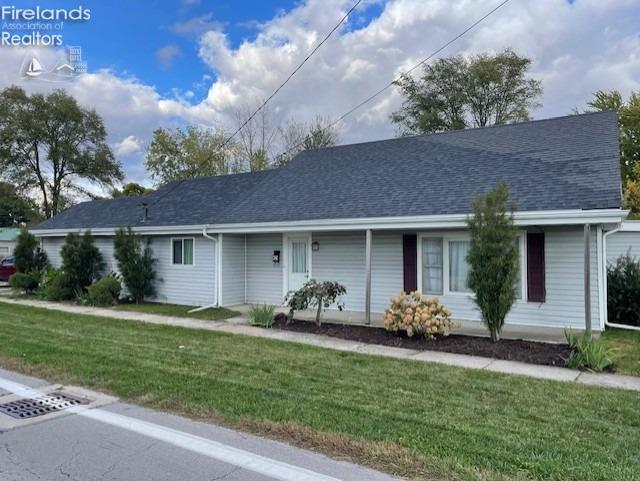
(507, 349)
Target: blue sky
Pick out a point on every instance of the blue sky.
(125, 35)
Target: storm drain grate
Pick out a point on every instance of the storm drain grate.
(39, 406)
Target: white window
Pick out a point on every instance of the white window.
(520, 268)
(458, 266)
(182, 251)
(299, 257)
(443, 267)
(432, 265)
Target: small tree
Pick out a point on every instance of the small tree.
(135, 263)
(493, 257)
(81, 261)
(27, 253)
(315, 294)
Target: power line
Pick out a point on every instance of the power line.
(356, 107)
(342, 20)
(390, 84)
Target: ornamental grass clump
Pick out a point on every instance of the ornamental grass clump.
(418, 315)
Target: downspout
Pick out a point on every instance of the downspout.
(215, 274)
(605, 284)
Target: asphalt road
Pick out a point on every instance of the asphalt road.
(109, 440)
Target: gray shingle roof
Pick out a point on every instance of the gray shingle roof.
(562, 163)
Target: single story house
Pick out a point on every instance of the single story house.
(8, 236)
(382, 217)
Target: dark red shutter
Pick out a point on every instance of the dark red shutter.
(536, 290)
(410, 262)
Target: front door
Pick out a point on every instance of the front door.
(298, 262)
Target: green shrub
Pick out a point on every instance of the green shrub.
(104, 292)
(261, 315)
(28, 255)
(81, 261)
(26, 282)
(587, 353)
(623, 291)
(135, 263)
(418, 314)
(315, 294)
(59, 287)
(493, 257)
(45, 278)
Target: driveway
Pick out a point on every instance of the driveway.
(104, 439)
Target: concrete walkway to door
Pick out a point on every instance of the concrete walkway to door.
(238, 325)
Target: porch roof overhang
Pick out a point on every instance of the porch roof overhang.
(447, 221)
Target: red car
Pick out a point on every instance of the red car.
(7, 268)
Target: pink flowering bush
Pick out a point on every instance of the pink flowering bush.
(419, 315)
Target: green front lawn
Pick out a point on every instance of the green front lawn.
(625, 346)
(211, 314)
(425, 421)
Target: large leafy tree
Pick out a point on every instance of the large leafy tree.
(16, 209)
(493, 257)
(49, 142)
(632, 192)
(188, 153)
(459, 92)
(629, 123)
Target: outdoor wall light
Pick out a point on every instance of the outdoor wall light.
(276, 257)
(315, 246)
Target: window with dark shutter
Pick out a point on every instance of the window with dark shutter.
(410, 262)
(536, 290)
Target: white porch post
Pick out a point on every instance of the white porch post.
(219, 269)
(367, 280)
(587, 278)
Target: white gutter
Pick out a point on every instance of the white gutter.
(215, 275)
(605, 283)
(445, 221)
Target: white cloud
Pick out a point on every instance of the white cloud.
(127, 146)
(575, 49)
(166, 55)
(196, 26)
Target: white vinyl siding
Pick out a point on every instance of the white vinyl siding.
(341, 258)
(52, 245)
(192, 285)
(264, 277)
(387, 277)
(621, 243)
(233, 266)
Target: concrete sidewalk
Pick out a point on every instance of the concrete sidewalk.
(238, 325)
